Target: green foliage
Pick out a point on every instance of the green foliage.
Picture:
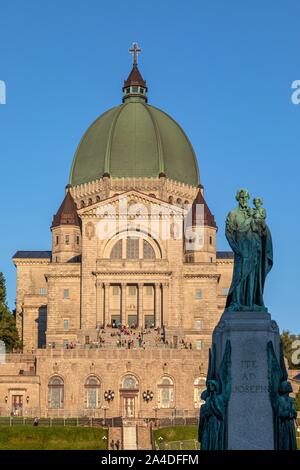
(297, 400)
(8, 330)
(287, 340)
(55, 438)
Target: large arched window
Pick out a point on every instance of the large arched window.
(199, 387)
(92, 392)
(134, 248)
(165, 393)
(56, 392)
(129, 382)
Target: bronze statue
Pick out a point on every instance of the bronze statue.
(250, 239)
(284, 409)
(212, 424)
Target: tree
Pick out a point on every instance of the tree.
(8, 330)
(297, 400)
(287, 341)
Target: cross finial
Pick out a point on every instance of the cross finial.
(135, 50)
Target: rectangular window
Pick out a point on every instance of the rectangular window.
(77, 240)
(67, 239)
(132, 290)
(198, 294)
(66, 343)
(66, 294)
(116, 290)
(135, 89)
(225, 291)
(198, 344)
(149, 290)
(43, 291)
(57, 240)
(66, 325)
(198, 324)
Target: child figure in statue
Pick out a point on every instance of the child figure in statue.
(259, 215)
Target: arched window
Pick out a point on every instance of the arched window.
(152, 195)
(171, 200)
(82, 203)
(165, 393)
(98, 199)
(132, 248)
(130, 383)
(116, 252)
(90, 201)
(199, 387)
(148, 250)
(92, 392)
(56, 392)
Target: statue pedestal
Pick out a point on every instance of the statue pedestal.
(249, 413)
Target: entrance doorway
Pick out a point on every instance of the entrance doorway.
(129, 407)
(17, 405)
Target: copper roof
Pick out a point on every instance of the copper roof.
(67, 213)
(200, 217)
(135, 78)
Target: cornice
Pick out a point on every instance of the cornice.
(130, 273)
(62, 275)
(31, 261)
(202, 275)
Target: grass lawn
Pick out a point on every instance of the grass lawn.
(181, 433)
(52, 438)
(177, 433)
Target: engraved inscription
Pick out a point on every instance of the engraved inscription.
(248, 378)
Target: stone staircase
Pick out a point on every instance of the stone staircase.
(151, 338)
(132, 436)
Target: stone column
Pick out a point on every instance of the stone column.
(99, 304)
(140, 305)
(123, 303)
(157, 300)
(164, 314)
(106, 318)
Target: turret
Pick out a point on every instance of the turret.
(200, 232)
(66, 231)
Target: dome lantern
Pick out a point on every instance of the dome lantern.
(135, 85)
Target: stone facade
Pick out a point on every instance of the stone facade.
(66, 297)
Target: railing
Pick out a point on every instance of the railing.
(49, 422)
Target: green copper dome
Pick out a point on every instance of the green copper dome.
(134, 140)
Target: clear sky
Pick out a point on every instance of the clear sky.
(222, 69)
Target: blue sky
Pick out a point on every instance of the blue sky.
(222, 69)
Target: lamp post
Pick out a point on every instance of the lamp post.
(104, 408)
(148, 395)
(109, 395)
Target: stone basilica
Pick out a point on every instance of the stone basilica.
(116, 320)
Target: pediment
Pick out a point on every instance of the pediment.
(132, 203)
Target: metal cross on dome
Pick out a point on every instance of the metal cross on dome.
(135, 50)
